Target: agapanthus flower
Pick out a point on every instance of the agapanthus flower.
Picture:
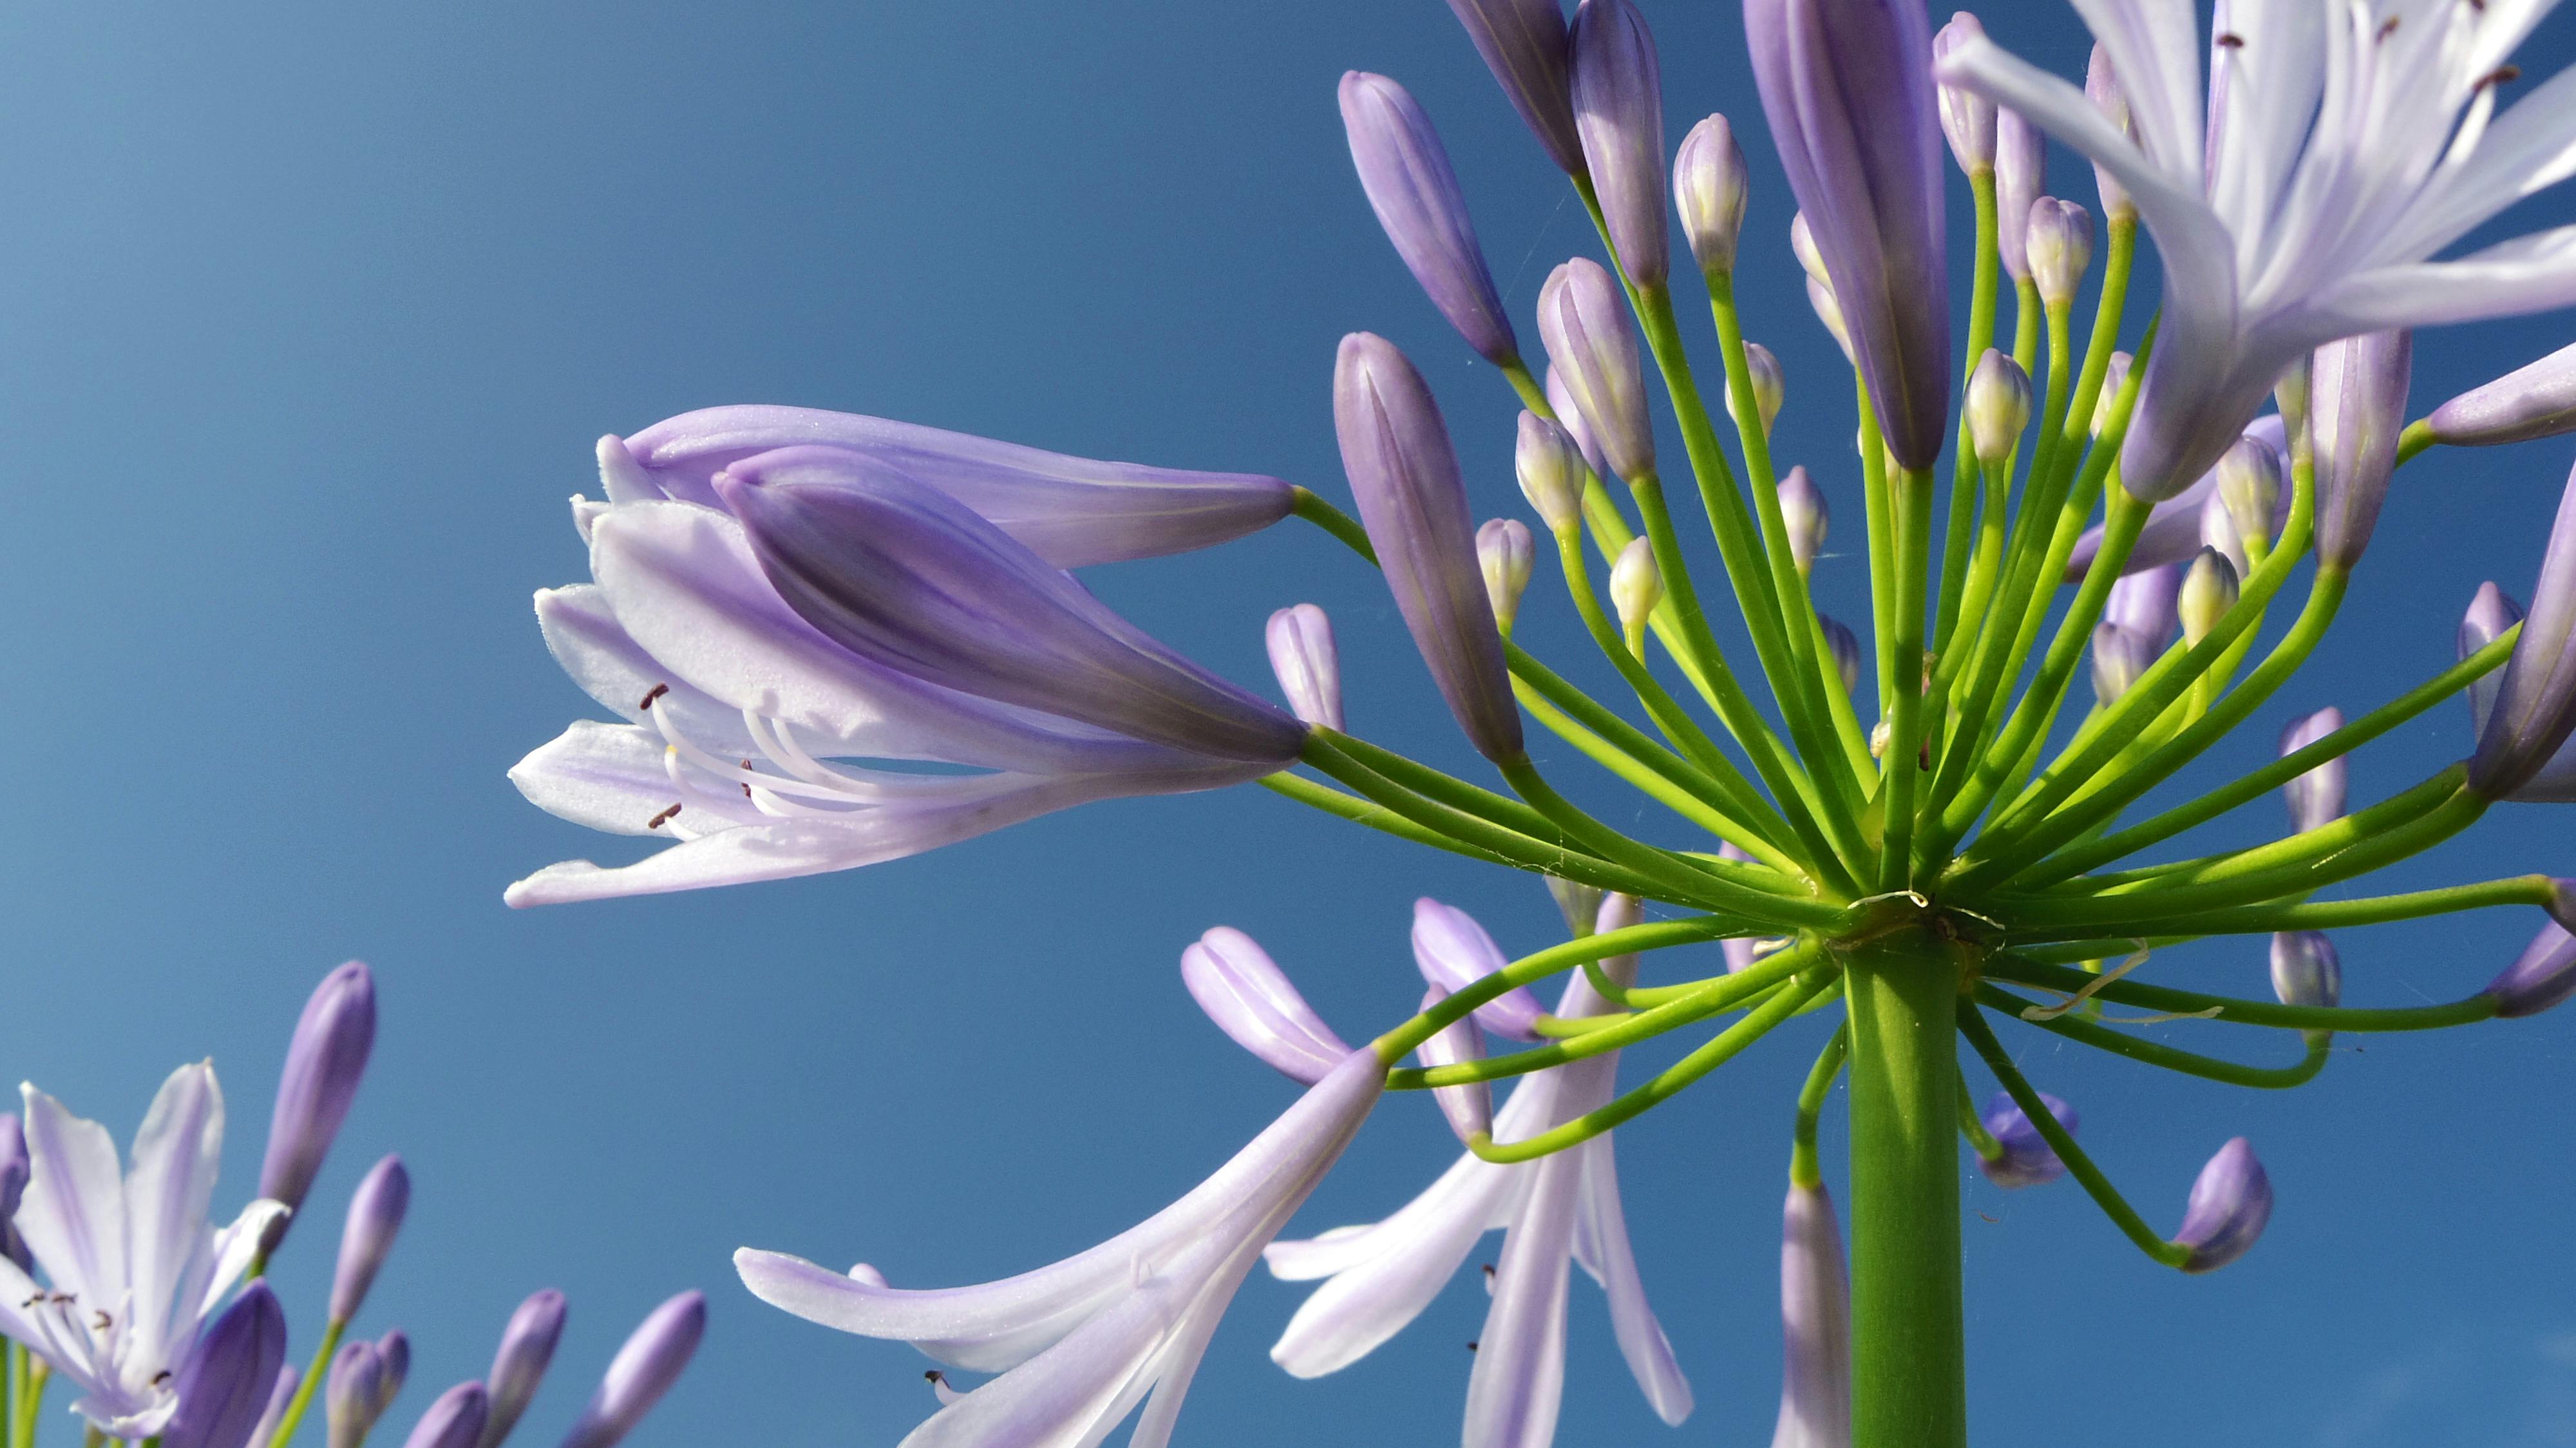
(2027, 1160)
(1815, 1313)
(1080, 1343)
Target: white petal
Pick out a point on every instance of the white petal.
(612, 777)
(583, 634)
(2533, 273)
(232, 1250)
(1073, 1394)
(1383, 1276)
(2154, 46)
(73, 1213)
(1518, 1382)
(176, 1155)
(2531, 147)
(1601, 1244)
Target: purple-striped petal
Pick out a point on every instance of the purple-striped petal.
(2306, 969)
(1518, 1381)
(1406, 173)
(1469, 1109)
(1308, 667)
(1235, 981)
(2529, 402)
(2360, 400)
(2535, 704)
(224, 1385)
(1592, 348)
(2021, 175)
(1601, 1248)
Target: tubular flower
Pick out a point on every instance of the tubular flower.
(1080, 1343)
(1815, 1313)
(2535, 705)
(2542, 976)
(2345, 146)
(1524, 43)
(1619, 112)
(2360, 402)
(1454, 952)
(1592, 348)
(1406, 173)
(133, 1265)
(2529, 402)
(324, 1062)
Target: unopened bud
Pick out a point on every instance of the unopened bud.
(1709, 191)
(2316, 798)
(1583, 319)
(1846, 650)
(1505, 550)
(2027, 1160)
(2208, 592)
(2490, 613)
(1307, 665)
(2306, 971)
(2060, 247)
(375, 1215)
(324, 1063)
(2115, 376)
(2120, 656)
(353, 1395)
(1998, 408)
(1802, 243)
(1250, 998)
(2021, 174)
(1636, 584)
(1469, 1108)
(14, 1169)
(1762, 374)
(2542, 976)
(223, 1385)
(527, 1346)
(2218, 530)
(1967, 118)
(2143, 603)
(2230, 1203)
(2249, 482)
(642, 1372)
(454, 1420)
(1550, 467)
(2530, 402)
(1830, 312)
(1803, 516)
(2104, 89)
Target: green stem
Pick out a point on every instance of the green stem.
(1980, 1140)
(1905, 727)
(1312, 507)
(1725, 789)
(1804, 1168)
(2151, 1053)
(1466, 829)
(313, 1375)
(1555, 960)
(2016, 969)
(1679, 877)
(2537, 890)
(1963, 477)
(1377, 817)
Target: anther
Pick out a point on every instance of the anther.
(2230, 40)
(658, 691)
(2388, 27)
(161, 1377)
(659, 820)
(1471, 1347)
(2503, 75)
(100, 1321)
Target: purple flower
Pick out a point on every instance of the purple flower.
(2490, 613)
(393, 1356)
(1845, 647)
(2027, 1160)
(2529, 402)
(1454, 952)
(2120, 655)
(1524, 43)
(1070, 511)
(280, 1393)
(2360, 402)
(455, 1419)
(2021, 174)
(2230, 1202)
(1593, 349)
(527, 1346)
(2542, 976)
(2535, 705)
(1405, 171)
(1804, 516)
(1618, 97)
(2306, 969)
(1815, 1317)
(13, 1189)
(1080, 1343)
(1309, 669)
(1998, 408)
(1405, 476)
(645, 1367)
(1549, 465)
(2316, 798)
(1469, 1109)
(2102, 91)
(2172, 534)
(1505, 554)
(223, 1387)
(324, 1062)
(2057, 247)
(1709, 191)
(1234, 980)
(2144, 604)
(375, 1215)
(1968, 119)
(1847, 85)
(1560, 400)
(354, 1396)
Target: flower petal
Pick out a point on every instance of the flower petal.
(1518, 1382)
(73, 1214)
(1601, 1245)
(583, 634)
(176, 1154)
(612, 777)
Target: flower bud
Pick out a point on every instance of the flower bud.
(1583, 319)
(2316, 798)
(2542, 976)
(2103, 88)
(1580, 904)
(2490, 613)
(2359, 400)
(1802, 245)
(1815, 1314)
(1636, 585)
(1524, 44)
(2021, 174)
(375, 1215)
(1406, 173)
(2059, 247)
(2535, 703)
(2529, 402)
(1998, 408)
(2306, 971)
(13, 1188)
(455, 1419)
(2143, 603)
(1846, 650)
(2027, 1159)
(1967, 118)
(393, 1354)
(280, 1393)
(1506, 553)
(1560, 400)
(2249, 484)
(1618, 100)
(324, 1062)
(1550, 467)
(2115, 376)
(1454, 952)
(223, 1385)
(2120, 656)
(353, 1396)
(1308, 667)
(2208, 592)
(1709, 191)
(1235, 981)
(1803, 517)
(1830, 312)
(1469, 1108)
(527, 1346)
(642, 1372)
(1404, 474)
(2218, 530)
(1762, 373)
(2230, 1202)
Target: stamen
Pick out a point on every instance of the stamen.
(2387, 28)
(659, 820)
(940, 1388)
(2502, 75)
(658, 691)
(2230, 40)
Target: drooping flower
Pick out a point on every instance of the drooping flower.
(2027, 1160)
(2535, 705)
(2541, 977)
(324, 1062)
(1454, 952)
(1815, 1316)
(133, 1267)
(1406, 173)
(2354, 143)
(2231, 1200)
(1080, 1343)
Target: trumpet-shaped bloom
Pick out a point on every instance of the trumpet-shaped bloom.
(1080, 1343)
(1815, 1315)
(2301, 198)
(133, 1267)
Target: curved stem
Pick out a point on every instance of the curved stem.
(1395, 1044)
(2152, 1053)
(1375, 816)
(1804, 1169)
(2014, 968)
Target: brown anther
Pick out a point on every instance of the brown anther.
(100, 1321)
(1471, 1347)
(161, 1377)
(2230, 40)
(658, 691)
(2388, 27)
(746, 789)
(659, 820)
(2503, 75)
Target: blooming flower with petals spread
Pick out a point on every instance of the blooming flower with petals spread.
(1080, 1343)
(133, 1266)
(2337, 149)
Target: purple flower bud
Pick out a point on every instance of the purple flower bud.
(1998, 407)
(2249, 486)
(1618, 99)
(1506, 554)
(2230, 1202)
(13, 1187)
(527, 1346)
(1560, 400)
(1396, 452)
(642, 1372)
(280, 1393)
(1804, 516)
(2027, 1159)
(393, 1355)
(1709, 190)
(1830, 312)
(2490, 613)
(1524, 43)
(2526, 403)
(1470, 1108)
(1405, 171)
(2209, 589)
(1584, 322)
(2120, 655)
(1847, 85)
(2172, 534)
(224, 1384)
(2103, 88)
(1636, 585)
(1815, 1313)
(2218, 531)
(1454, 952)
(1846, 650)
(2359, 398)
(1580, 904)
(2021, 174)
(915, 582)
(2535, 705)
(1767, 383)
(354, 1395)
(454, 1420)
(2059, 246)
(1309, 670)
(324, 1062)
(375, 1215)
(2143, 603)
(2316, 798)
(1235, 981)
(2542, 976)
(1550, 467)
(2306, 970)
(1967, 118)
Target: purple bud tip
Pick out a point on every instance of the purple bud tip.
(394, 1351)
(642, 1372)
(1469, 1108)
(2359, 399)
(1846, 650)
(324, 1062)
(2317, 797)
(527, 1346)
(2306, 969)
(1309, 668)
(1968, 119)
(1617, 91)
(1805, 517)
(1524, 43)
(1235, 981)
(2027, 1159)
(2535, 700)
(1583, 319)
(2230, 1203)
(1454, 952)
(375, 1216)
(2531, 402)
(223, 1386)
(2542, 976)
(354, 1395)
(455, 1420)
(1406, 173)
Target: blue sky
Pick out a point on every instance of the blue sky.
(308, 317)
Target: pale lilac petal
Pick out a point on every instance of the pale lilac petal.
(1601, 1245)
(176, 1154)
(1815, 1311)
(73, 1215)
(593, 648)
(613, 778)
(1518, 1382)
(1235, 981)
(2534, 273)
(1454, 952)
(1380, 1277)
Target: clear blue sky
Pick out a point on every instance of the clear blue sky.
(308, 317)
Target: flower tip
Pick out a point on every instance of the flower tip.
(622, 476)
(1251, 999)
(2026, 1159)
(2230, 1202)
(1308, 666)
(2541, 977)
